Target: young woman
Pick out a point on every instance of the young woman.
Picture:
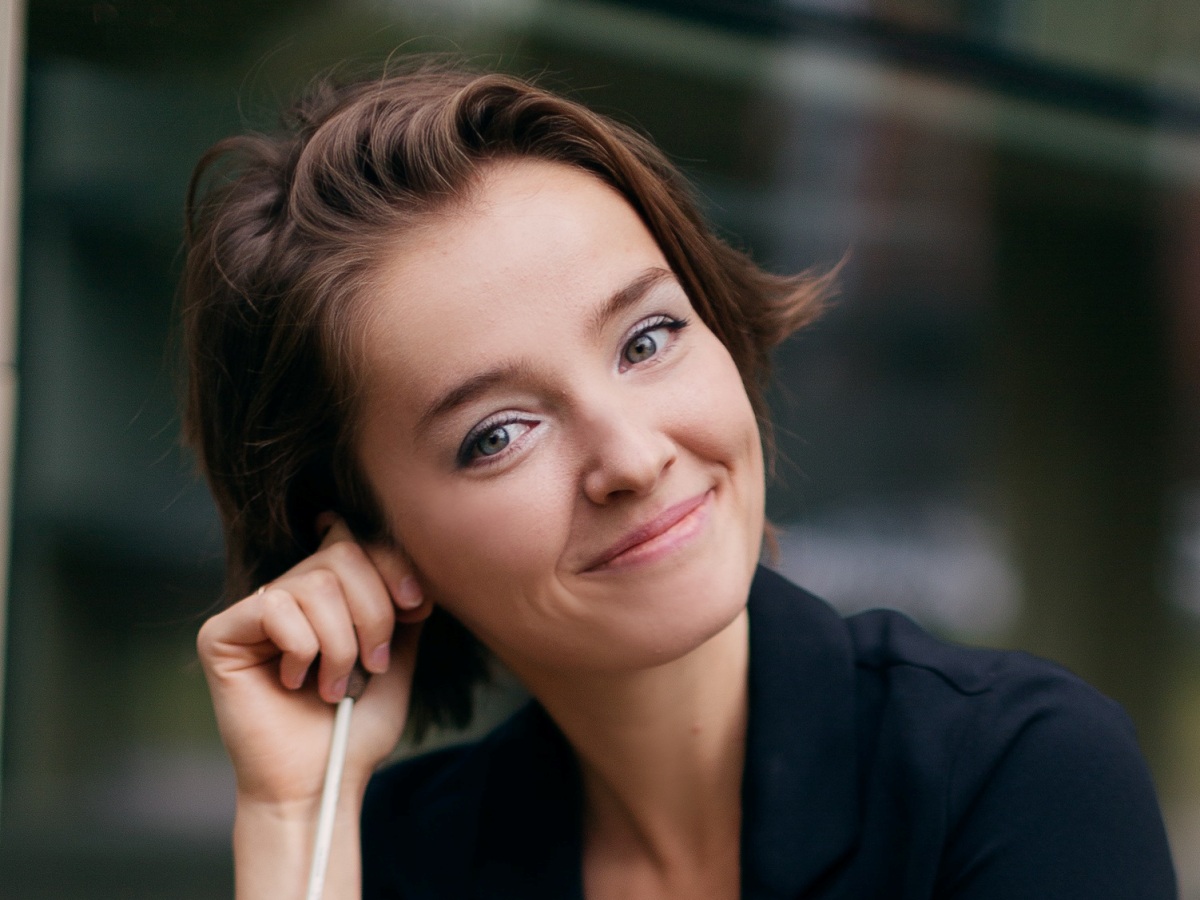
(470, 378)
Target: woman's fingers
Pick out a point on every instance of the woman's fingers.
(285, 624)
(324, 602)
(410, 604)
(318, 617)
(347, 598)
(337, 606)
(367, 599)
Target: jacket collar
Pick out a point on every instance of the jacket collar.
(800, 786)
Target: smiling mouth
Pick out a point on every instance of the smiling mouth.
(669, 530)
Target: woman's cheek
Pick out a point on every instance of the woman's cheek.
(481, 537)
(712, 414)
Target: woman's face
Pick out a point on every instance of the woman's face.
(564, 450)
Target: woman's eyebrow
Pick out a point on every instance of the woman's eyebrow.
(628, 296)
(467, 390)
(470, 388)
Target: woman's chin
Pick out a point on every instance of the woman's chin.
(673, 615)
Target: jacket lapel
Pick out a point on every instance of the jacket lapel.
(800, 786)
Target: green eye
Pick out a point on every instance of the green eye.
(493, 442)
(492, 438)
(653, 338)
(642, 347)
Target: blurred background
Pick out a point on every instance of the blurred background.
(996, 428)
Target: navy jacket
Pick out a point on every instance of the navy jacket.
(880, 763)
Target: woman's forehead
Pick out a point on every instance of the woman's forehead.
(527, 277)
(537, 241)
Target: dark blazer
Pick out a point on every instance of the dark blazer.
(880, 763)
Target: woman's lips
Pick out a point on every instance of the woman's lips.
(674, 526)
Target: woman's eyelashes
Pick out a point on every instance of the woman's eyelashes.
(491, 439)
(650, 339)
(496, 437)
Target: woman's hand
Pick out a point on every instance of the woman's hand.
(275, 714)
(339, 605)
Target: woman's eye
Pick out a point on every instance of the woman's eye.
(493, 439)
(644, 346)
(650, 340)
(493, 442)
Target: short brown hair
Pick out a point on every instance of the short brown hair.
(285, 230)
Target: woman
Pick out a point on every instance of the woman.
(468, 371)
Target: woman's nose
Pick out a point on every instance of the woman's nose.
(628, 453)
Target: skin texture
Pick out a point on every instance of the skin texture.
(569, 464)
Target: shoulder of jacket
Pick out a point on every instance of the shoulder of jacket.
(886, 640)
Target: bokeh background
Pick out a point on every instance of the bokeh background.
(996, 428)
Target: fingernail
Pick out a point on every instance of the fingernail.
(380, 657)
(338, 691)
(297, 680)
(409, 596)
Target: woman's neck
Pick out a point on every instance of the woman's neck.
(661, 753)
